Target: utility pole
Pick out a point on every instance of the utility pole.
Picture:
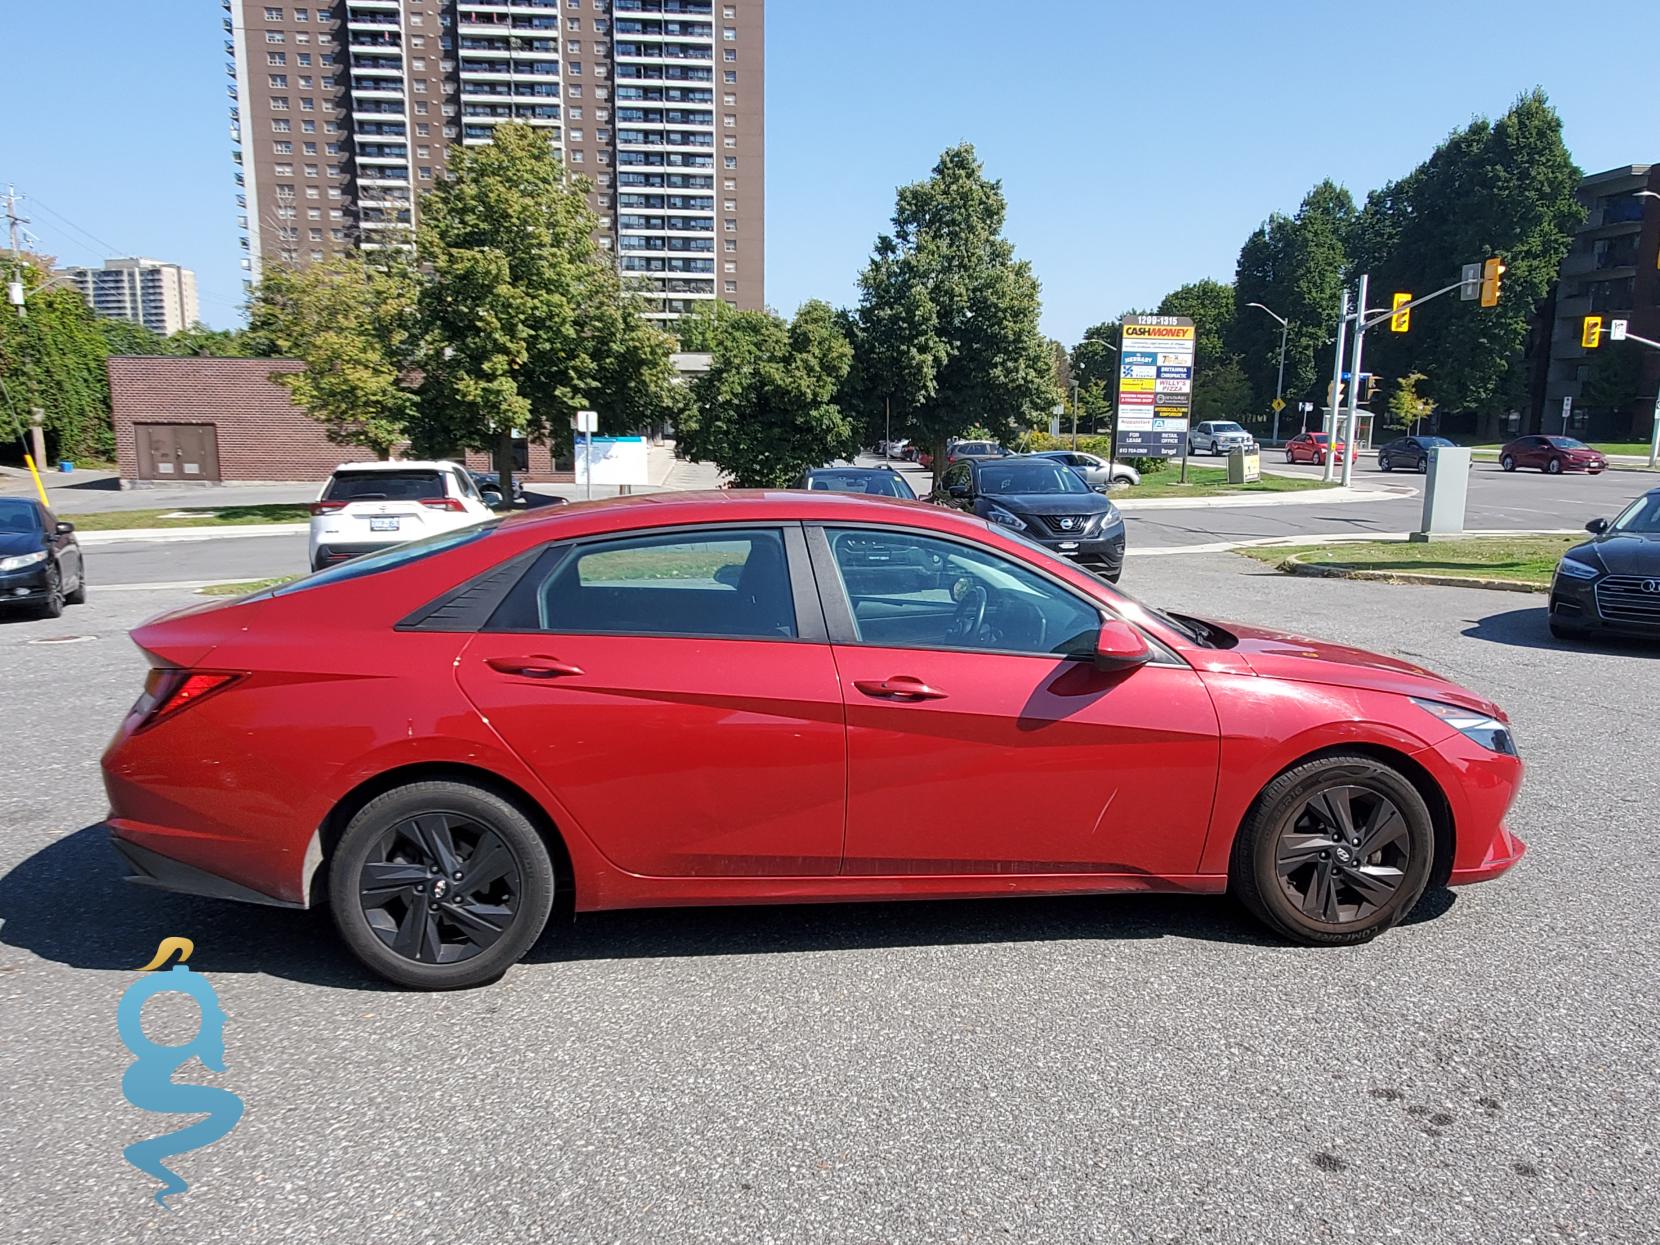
(1074, 416)
(1354, 386)
(1336, 382)
(887, 404)
(14, 282)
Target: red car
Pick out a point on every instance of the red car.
(1310, 447)
(741, 697)
(1552, 455)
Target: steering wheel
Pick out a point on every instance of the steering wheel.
(971, 613)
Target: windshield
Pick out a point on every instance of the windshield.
(877, 483)
(1028, 478)
(391, 559)
(352, 486)
(18, 516)
(1226, 428)
(1567, 443)
(1640, 518)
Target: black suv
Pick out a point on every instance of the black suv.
(1043, 501)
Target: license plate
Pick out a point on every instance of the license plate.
(383, 525)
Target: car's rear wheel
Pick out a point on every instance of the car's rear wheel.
(78, 597)
(1508, 463)
(440, 885)
(1553, 466)
(1336, 851)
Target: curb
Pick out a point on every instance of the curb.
(163, 534)
(1300, 497)
(1294, 565)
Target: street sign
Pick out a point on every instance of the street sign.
(1470, 290)
(1155, 386)
(585, 421)
(1616, 330)
(1278, 404)
(1567, 409)
(1401, 320)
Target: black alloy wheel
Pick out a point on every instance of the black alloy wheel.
(1338, 850)
(52, 606)
(1384, 464)
(440, 885)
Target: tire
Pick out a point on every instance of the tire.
(78, 597)
(1423, 466)
(52, 606)
(1384, 464)
(1552, 467)
(1215, 450)
(1319, 460)
(1290, 457)
(1565, 633)
(1507, 463)
(453, 818)
(1283, 827)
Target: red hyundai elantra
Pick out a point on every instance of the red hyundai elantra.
(722, 698)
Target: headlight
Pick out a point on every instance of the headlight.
(1576, 570)
(999, 515)
(1490, 733)
(22, 560)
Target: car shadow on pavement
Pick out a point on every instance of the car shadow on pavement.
(1529, 628)
(69, 903)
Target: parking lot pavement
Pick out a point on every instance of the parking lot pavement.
(1119, 1069)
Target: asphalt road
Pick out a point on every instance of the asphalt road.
(1123, 1069)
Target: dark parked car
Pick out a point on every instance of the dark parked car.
(40, 559)
(490, 481)
(1409, 452)
(1043, 501)
(1552, 455)
(1612, 581)
(878, 481)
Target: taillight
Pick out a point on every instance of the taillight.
(168, 691)
(444, 503)
(327, 507)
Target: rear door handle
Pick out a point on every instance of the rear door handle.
(899, 687)
(533, 667)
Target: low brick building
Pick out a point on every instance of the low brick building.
(210, 421)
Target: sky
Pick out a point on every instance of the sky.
(1138, 143)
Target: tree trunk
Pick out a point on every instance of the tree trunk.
(504, 464)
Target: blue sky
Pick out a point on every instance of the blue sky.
(1138, 143)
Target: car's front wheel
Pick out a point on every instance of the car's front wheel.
(1553, 467)
(440, 885)
(1508, 463)
(1384, 464)
(51, 606)
(1335, 851)
(1290, 457)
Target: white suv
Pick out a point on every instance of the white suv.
(1218, 436)
(370, 506)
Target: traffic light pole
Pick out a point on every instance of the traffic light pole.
(1654, 433)
(1354, 386)
(1336, 381)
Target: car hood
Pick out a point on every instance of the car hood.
(1049, 503)
(1634, 553)
(14, 543)
(1279, 655)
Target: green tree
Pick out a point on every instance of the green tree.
(1407, 406)
(53, 358)
(1503, 188)
(199, 339)
(524, 319)
(1095, 357)
(351, 321)
(948, 318)
(1295, 265)
(766, 409)
(124, 337)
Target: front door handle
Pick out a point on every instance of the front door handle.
(533, 667)
(899, 687)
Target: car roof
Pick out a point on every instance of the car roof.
(401, 465)
(852, 471)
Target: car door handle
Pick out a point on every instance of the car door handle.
(533, 667)
(899, 687)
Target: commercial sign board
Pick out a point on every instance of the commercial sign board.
(1155, 386)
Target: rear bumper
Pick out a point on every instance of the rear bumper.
(333, 554)
(151, 868)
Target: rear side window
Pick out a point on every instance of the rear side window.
(733, 584)
(349, 486)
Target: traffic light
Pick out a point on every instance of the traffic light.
(1590, 336)
(1400, 321)
(1371, 381)
(1491, 271)
(1335, 401)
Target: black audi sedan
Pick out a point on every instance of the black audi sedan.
(1043, 501)
(40, 559)
(1611, 583)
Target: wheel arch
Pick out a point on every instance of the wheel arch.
(1440, 809)
(339, 817)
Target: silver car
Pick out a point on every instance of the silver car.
(1097, 472)
(1218, 436)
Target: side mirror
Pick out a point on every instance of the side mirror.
(1120, 646)
(959, 491)
(491, 498)
(65, 528)
(1597, 526)
(1098, 488)
(730, 575)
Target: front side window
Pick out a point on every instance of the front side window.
(1641, 516)
(909, 590)
(732, 583)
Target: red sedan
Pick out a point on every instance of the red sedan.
(1311, 447)
(731, 698)
(1552, 455)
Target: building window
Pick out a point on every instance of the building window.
(731, 265)
(302, 59)
(731, 183)
(574, 68)
(729, 35)
(602, 114)
(731, 287)
(729, 121)
(729, 55)
(273, 15)
(574, 92)
(276, 58)
(311, 192)
(275, 36)
(729, 141)
(311, 170)
(426, 173)
(308, 105)
(302, 15)
(314, 213)
(282, 149)
(576, 157)
(576, 136)
(422, 129)
(282, 125)
(731, 205)
(605, 157)
(573, 46)
(310, 149)
(419, 62)
(279, 103)
(574, 114)
(284, 170)
(731, 225)
(316, 235)
(731, 162)
(731, 246)
(420, 108)
(420, 86)
(302, 37)
(729, 99)
(305, 82)
(728, 12)
(729, 75)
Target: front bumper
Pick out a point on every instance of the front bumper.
(1576, 605)
(1102, 553)
(24, 586)
(1504, 849)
